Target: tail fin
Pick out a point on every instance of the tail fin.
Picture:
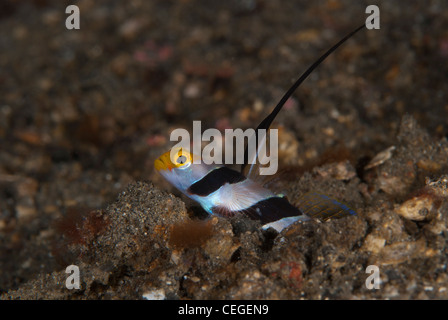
(322, 207)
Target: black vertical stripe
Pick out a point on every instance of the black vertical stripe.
(214, 180)
(267, 211)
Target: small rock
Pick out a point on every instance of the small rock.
(339, 171)
(221, 247)
(192, 90)
(399, 252)
(25, 212)
(130, 28)
(156, 294)
(440, 186)
(374, 243)
(429, 165)
(398, 182)
(416, 208)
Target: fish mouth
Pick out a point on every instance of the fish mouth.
(163, 162)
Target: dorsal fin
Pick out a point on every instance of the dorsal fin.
(250, 171)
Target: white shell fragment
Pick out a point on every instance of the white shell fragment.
(156, 294)
(380, 158)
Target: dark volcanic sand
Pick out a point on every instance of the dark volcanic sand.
(84, 114)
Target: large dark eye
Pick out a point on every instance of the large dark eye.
(181, 160)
